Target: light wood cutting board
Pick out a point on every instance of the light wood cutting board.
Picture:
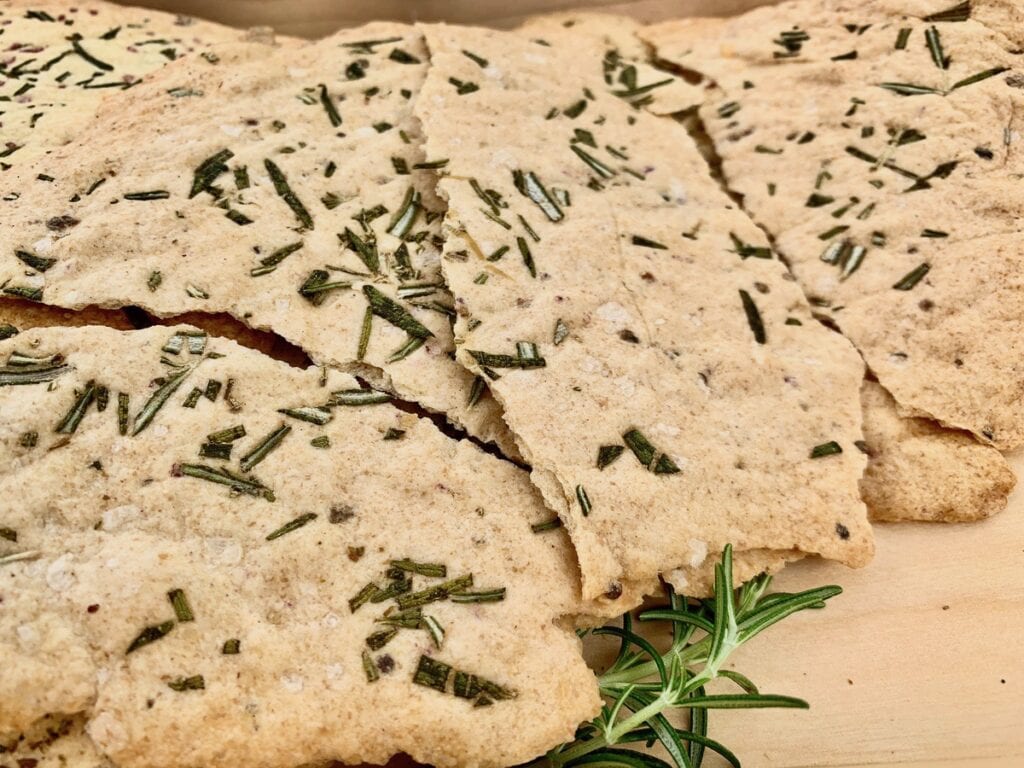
(921, 661)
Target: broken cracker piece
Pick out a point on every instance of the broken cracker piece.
(290, 189)
(569, 236)
(176, 560)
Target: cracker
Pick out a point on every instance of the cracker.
(55, 84)
(738, 418)
(117, 522)
(311, 219)
(920, 471)
(924, 277)
(613, 40)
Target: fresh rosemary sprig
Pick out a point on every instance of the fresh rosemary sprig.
(643, 685)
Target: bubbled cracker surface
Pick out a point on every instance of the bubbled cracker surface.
(684, 377)
(949, 346)
(259, 102)
(115, 525)
(54, 91)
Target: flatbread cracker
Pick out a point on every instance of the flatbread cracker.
(614, 41)
(287, 187)
(881, 151)
(563, 263)
(919, 471)
(59, 60)
(108, 527)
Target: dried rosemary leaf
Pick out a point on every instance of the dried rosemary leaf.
(182, 609)
(826, 449)
(393, 312)
(607, 454)
(158, 399)
(284, 191)
(150, 635)
(293, 525)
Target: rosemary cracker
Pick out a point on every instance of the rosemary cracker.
(58, 61)
(615, 41)
(659, 370)
(287, 187)
(257, 563)
(877, 142)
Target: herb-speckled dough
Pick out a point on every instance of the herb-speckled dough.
(52, 86)
(333, 118)
(652, 338)
(833, 134)
(111, 523)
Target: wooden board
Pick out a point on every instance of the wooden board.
(921, 661)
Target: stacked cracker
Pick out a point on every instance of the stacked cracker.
(219, 552)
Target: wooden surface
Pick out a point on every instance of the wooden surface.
(921, 661)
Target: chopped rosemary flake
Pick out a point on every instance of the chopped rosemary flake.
(314, 414)
(644, 242)
(391, 311)
(24, 292)
(196, 292)
(746, 250)
(406, 215)
(182, 610)
(363, 596)
(826, 449)
(231, 647)
(329, 107)
(269, 263)
(285, 192)
(476, 391)
(959, 12)
(463, 87)
(547, 525)
(607, 454)
(212, 167)
(432, 673)
(215, 450)
(435, 630)
(533, 360)
(322, 441)
(478, 60)
(467, 686)
(934, 43)
(74, 416)
(830, 233)
(9, 534)
(37, 263)
(318, 284)
(437, 592)
(410, 619)
(380, 638)
(912, 278)
(434, 570)
(154, 280)
(395, 587)
(264, 447)
(122, 413)
(221, 476)
(561, 332)
(192, 399)
(584, 500)
(902, 37)
(241, 175)
(394, 434)
(430, 165)
(370, 668)
(935, 233)
(359, 397)
(28, 439)
(848, 56)
(150, 635)
(530, 186)
(641, 447)
(665, 466)
(908, 89)
(482, 596)
(294, 525)
(193, 683)
(977, 78)
(596, 165)
(753, 317)
(7, 331)
(817, 201)
(158, 399)
(156, 194)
